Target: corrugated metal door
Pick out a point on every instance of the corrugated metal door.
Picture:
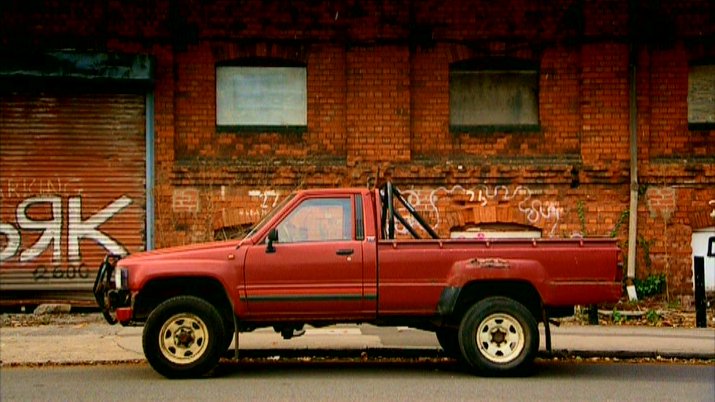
(72, 188)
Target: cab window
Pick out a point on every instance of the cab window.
(318, 219)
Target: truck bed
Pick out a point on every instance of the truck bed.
(412, 274)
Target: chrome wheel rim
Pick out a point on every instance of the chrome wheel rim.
(183, 338)
(500, 338)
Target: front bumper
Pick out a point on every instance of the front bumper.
(113, 302)
(124, 314)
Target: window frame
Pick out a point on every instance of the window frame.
(359, 219)
(501, 65)
(262, 63)
(348, 226)
(700, 125)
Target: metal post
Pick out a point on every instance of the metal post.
(416, 214)
(407, 226)
(593, 314)
(383, 221)
(391, 209)
(700, 314)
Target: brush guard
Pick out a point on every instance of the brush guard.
(104, 289)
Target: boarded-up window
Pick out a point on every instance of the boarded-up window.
(701, 96)
(493, 99)
(261, 97)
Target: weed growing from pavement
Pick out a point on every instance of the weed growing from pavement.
(652, 316)
(617, 317)
(652, 285)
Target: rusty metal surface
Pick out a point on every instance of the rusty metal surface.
(72, 188)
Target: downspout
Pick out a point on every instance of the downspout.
(633, 111)
(150, 219)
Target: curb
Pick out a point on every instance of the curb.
(627, 355)
(433, 353)
(376, 354)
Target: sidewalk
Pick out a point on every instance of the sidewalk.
(98, 342)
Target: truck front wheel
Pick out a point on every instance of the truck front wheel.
(499, 336)
(183, 337)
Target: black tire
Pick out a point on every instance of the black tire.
(499, 336)
(449, 341)
(183, 337)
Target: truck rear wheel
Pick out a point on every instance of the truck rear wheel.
(499, 336)
(183, 337)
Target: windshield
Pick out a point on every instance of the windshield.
(270, 215)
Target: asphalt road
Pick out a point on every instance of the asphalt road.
(358, 381)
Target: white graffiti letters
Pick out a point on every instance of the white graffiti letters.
(79, 229)
(51, 228)
(13, 241)
(267, 196)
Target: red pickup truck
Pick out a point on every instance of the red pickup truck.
(330, 256)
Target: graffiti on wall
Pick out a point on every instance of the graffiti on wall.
(51, 229)
(262, 202)
(431, 203)
(535, 211)
(41, 220)
(21, 188)
(269, 198)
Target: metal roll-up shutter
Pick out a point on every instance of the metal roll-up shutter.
(72, 189)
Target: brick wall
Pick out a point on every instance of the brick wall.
(378, 104)
(604, 110)
(378, 100)
(185, 199)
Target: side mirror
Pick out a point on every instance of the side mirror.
(272, 236)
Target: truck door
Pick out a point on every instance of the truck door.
(314, 270)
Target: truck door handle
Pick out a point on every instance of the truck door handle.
(345, 251)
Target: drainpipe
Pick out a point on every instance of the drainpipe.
(150, 219)
(633, 211)
(633, 111)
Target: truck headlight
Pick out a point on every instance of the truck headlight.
(121, 278)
